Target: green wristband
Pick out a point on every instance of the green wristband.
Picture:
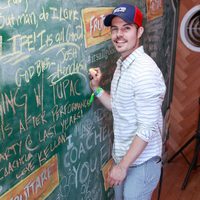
(91, 99)
(98, 92)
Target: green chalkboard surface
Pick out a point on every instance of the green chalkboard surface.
(53, 145)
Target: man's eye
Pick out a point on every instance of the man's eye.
(113, 29)
(127, 28)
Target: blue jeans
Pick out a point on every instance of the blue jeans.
(140, 181)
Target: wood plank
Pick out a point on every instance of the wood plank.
(173, 176)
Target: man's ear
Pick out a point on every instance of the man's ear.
(140, 31)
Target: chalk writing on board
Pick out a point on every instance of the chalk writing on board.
(39, 184)
(47, 130)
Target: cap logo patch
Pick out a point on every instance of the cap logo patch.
(120, 9)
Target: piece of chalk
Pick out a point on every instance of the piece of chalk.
(92, 71)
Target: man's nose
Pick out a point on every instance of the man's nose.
(120, 32)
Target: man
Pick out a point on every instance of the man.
(137, 93)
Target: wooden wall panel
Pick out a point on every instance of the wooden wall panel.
(184, 108)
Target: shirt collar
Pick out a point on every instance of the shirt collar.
(130, 59)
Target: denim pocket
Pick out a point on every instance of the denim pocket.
(152, 172)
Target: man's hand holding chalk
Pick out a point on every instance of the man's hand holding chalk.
(92, 73)
(95, 77)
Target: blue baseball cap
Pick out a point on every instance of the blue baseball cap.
(129, 13)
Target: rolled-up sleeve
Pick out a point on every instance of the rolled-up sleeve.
(149, 94)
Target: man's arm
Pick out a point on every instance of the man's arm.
(136, 148)
(95, 76)
(105, 100)
(118, 172)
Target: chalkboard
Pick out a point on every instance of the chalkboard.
(53, 143)
(160, 43)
